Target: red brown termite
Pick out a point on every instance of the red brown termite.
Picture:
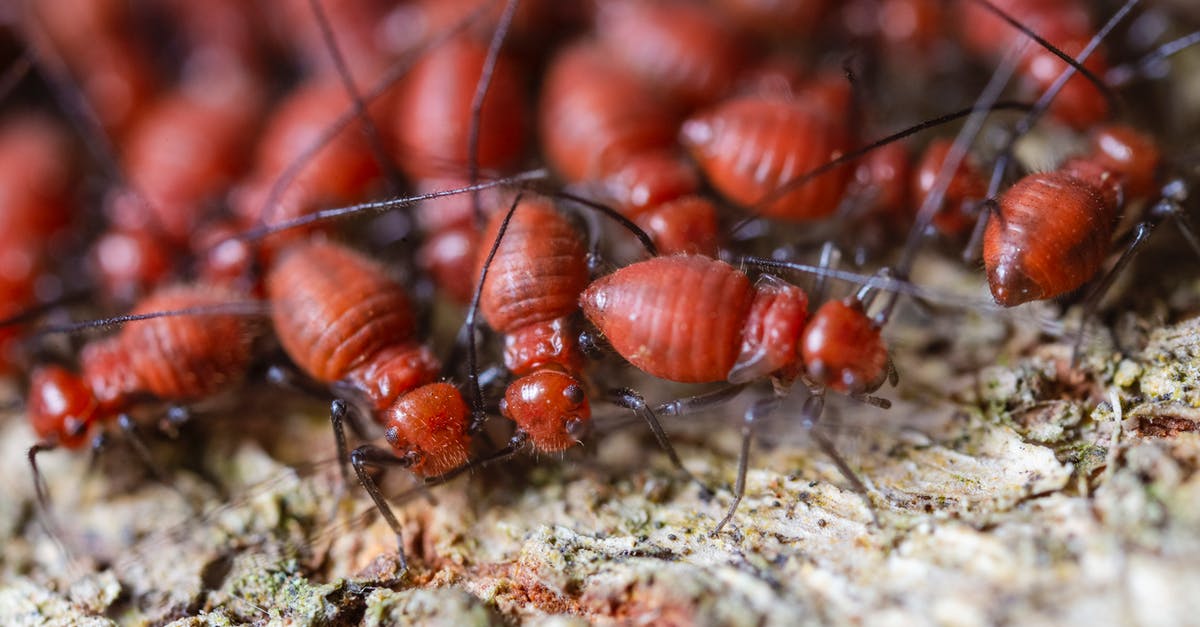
(1051, 232)
(694, 319)
(345, 323)
(532, 288)
(179, 158)
(433, 113)
(181, 344)
(966, 188)
(340, 173)
(601, 127)
(748, 147)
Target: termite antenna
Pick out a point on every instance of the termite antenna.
(245, 308)
(398, 70)
(478, 415)
(382, 206)
(1025, 124)
(615, 215)
(1076, 64)
(877, 281)
(499, 35)
(373, 136)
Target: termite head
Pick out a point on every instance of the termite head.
(62, 408)
(550, 407)
(429, 426)
(842, 348)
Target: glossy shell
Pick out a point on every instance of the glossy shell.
(433, 113)
(843, 349)
(678, 318)
(750, 147)
(333, 309)
(538, 271)
(1052, 234)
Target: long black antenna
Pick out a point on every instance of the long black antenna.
(478, 416)
(244, 308)
(381, 206)
(481, 90)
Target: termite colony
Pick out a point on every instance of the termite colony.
(663, 185)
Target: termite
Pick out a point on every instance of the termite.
(199, 348)
(694, 319)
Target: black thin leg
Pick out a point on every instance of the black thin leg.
(338, 411)
(481, 89)
(130, 431)
(810, 417)
(45, 514)
(376, 457)
(634, 402)
(39, 481)
(699, 402)
(759, 410)
(1140, 234)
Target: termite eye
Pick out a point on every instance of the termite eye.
(503, 407)
(392, 435)
(574, 394)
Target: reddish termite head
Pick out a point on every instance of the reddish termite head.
(61, 407)
(550, 407)
(842, 348)
(429, 426)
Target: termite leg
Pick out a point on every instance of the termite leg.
(45, 514)
(698, 402)
(1141, 233)
(374, 456)
(39, 481)
(830, 256)
(759, 410)
(514, 446)
(814, 406)
(130, 431)
(338, 413)
(1174, 194)
(634, 402)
